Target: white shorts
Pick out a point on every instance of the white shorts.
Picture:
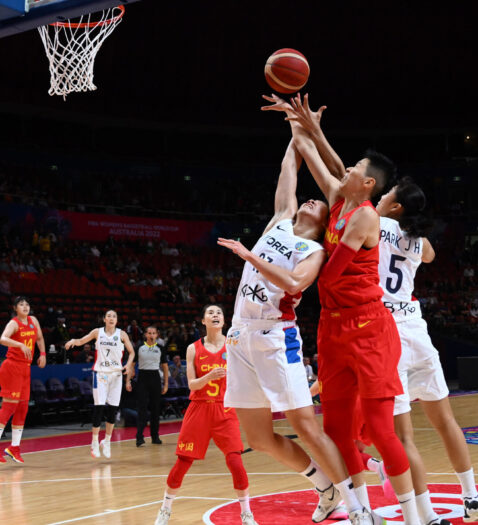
(265, 367)
(419, 368)
(107, 388)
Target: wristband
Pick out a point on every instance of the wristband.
(42, 353)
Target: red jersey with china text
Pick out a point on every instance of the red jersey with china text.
(26, 334)
(359, 284)
(204, 362)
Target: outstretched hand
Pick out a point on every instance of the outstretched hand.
(278, 104)
(235, 246)
(304, 116)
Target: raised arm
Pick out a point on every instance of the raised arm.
(285, 203)
(311, 122)
(306, 147)
(292, 282)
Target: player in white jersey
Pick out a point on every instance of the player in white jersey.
(265, 373)
(107, 376)
(402, 249)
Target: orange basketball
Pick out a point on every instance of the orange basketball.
(287, 70)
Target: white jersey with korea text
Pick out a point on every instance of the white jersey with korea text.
(258, 298)
(109, 351)
(400, 257)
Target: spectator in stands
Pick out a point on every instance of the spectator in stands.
(177, 368)
(314, 364)
(134, 331)
(308, 369)
(5, 286)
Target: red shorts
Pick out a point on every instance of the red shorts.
(358, 353)
(203, 421)
(15, 380)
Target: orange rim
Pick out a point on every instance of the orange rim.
(92, 24)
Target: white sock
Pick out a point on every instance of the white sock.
(168, 500)
(244, 503)
(467, 481)
(362, 496)
(316, 476)
(373, 465)
(424, 507)
(1, 431)
(409, 508)
(346, 489)
(94, 439)
(107, 438)
(16, 436)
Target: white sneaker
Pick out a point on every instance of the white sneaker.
(106, 448)
(364, 517)
(470, 514)
(95, 449)
(247, 518)
(329, 499)
(163, 517)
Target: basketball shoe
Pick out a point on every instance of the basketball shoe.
(106, 448)
(471, 510)
(14, 453)
(328, 501)
(364, 517)
(163, 517)
(247, 518)
(95, 449)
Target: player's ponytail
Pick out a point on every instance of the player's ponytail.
(413, 220)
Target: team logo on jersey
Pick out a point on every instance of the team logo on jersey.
(471, 435)
(224, 356)
(31, 326)
(340, 224)
(115, 338)
(301, 246)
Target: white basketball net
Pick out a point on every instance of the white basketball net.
(71, 49)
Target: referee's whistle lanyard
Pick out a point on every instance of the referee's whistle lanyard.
(150, 347)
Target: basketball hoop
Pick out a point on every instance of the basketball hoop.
(71, 49)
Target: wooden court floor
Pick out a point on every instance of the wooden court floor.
(68, 486)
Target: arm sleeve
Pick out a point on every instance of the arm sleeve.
(337, 263)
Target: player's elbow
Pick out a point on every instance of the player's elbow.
(294, 287)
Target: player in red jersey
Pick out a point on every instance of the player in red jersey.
(206, 416)
(20, 335)
(358, 342)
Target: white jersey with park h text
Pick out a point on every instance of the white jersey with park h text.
(109, 351)
(400, 256)
(258, 298)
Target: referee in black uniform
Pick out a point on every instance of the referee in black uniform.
(149, 391)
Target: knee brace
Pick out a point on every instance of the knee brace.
(236, 467)
(20, 414)
(97, 415)
(177, 473)
(111, 414)
(7, 411)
